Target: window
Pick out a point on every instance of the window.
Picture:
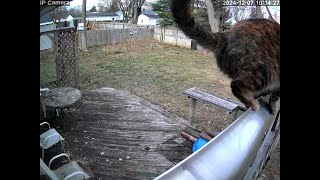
(141, 21)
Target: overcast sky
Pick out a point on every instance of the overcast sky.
(91, 3)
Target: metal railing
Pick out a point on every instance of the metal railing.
(233, 154)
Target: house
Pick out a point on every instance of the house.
(105, 16)
(228, 24)
(69, 21)
(231, 21)
(148, 17)
(120, 14)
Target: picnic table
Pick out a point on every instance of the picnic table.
(59, 98)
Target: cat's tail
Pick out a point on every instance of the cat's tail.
(182, 15)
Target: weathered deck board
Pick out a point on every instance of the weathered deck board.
(121, 136)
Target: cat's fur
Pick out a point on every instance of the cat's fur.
(249, 53)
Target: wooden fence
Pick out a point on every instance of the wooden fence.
(107, 25)
(172, 36)
(111, 36)
(168, 35)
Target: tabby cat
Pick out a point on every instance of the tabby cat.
(249, 53)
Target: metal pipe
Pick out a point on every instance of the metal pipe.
(188, 136)
(230, 154)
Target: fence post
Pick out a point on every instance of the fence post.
(161, 34)
(177, 31)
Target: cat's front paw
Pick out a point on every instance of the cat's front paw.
(255, 105)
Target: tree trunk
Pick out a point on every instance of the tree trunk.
(212, 15)
(258, 12)
(84, 34)
(270, 15)
(135, 12)
(131, 8)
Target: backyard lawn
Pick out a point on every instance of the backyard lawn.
(157, 72)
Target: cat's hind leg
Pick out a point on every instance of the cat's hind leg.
(274, 91)
(241, 89)
(275, 95)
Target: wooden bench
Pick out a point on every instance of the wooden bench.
(198, 94)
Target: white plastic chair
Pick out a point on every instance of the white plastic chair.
(69, 171)
(49, 138)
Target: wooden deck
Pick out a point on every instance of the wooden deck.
(121, 136)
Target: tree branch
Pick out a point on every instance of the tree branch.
(268, 11)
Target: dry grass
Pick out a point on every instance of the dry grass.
(155, 71)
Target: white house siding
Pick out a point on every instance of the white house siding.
(152, 21)
(143, 20)
(119, 18)
(120, 15)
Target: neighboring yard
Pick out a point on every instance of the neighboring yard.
(159, 73)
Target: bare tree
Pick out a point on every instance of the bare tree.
(107, 3)
(135, 10)
(258, 12)
(269, 13)
(93, 9)
(116, 5)
(276, 17)
(75, 12)
(101, 7)
(59, 13)
(122, 5)
(212, 16)
(253, 12)
(84, 34)
(242, 12)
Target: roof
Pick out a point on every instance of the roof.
(97, 14)
(69, 18)
(46, 23)
(45, 18)
(148, 12)
(152, 16)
